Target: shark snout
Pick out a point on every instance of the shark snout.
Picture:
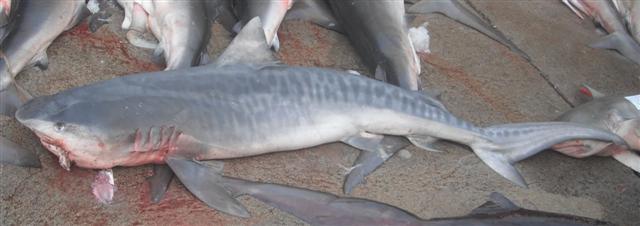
(34, 109)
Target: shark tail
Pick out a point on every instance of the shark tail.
(507, 144)
(621, 42)
(454, 10)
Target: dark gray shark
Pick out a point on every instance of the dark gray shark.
(319, 208)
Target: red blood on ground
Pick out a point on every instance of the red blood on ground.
(112, 45)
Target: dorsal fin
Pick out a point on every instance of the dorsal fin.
(497, 203)
(248, 47)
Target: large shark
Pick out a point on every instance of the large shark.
(235, 110)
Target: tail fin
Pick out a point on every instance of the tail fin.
(454, 10)
(11, 98)
(206, 184)
(621, 42)
(12, 153)
(510, 143)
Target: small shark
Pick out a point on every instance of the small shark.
(614, 113)
(319, 208)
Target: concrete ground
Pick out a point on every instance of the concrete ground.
(483, 82)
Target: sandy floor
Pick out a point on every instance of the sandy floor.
(483, 82)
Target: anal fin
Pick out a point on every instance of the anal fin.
(376, 150)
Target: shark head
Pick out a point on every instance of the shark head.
(81, 129)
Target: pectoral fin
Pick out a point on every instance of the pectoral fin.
(204, 183)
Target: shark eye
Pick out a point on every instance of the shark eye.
(59, 126)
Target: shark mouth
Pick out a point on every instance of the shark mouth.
(56, 148)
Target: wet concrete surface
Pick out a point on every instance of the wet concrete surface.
(482, 81)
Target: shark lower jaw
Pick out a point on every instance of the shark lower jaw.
(56, 148)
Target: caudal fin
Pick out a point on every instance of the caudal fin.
(507, 144)
(205, 183)
(621, 42)
(454, 10)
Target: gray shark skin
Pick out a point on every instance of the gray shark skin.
(181, 27)
(270, 12)
(12, 153)
(615, 114)
(241, 110)
(37, 24)
(605, 14)
(320, 208)
(378, 31)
